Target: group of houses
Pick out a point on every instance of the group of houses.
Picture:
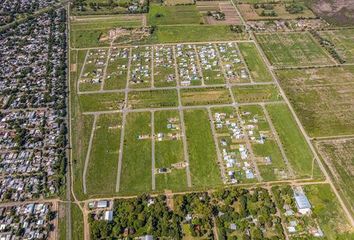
(210, 62)
(187, 64)
(27, 221)
(141, 65)
(164, 65)
(94, 66)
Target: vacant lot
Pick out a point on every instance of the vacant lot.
(339, 157)
(152, 99)
(294, 144)
(231, 16)
(170, 15)
(255, 63)
(250, 12)
(343, 41)
(293, 49)
(323, 98)
(201, 148)
(256, 93)
(205, 96)
(136, 167)
(329, 213)
(87, 31)
(100, 101)
(103, 162)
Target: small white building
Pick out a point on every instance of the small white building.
(108, 215)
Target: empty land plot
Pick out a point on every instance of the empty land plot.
(103, 163)
(293, 49)
(152, 99)
(273, 11)
(255, 63)
(234, 68)
(323, 98)
(295, 146)
(343, 41)
(97, 102)
(117, 69)
(256, 93)
(265, 148)
(205, 96)
(92, 31)
(170, 15)
(92, 74)
(164, 66)
(328, 211)
(338, 156)
(136, 171)
(197, 33)
(170, 165)
(188, 68)
(201, 149)
(140, 68)
(231, 16)
(210, 64)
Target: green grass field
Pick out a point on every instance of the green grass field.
(77, 223)
(202, 154)
(152, 99)
(256, 93)
(343, 41)
(255, 63)
(136, 166)
(100, 101)
(168, 152)
(293, 49)
(329, 213)
(205, 96)
(103, 162)
(170, 15)
(322, 98)
(117, 69)
(338, 156)
(296, 149)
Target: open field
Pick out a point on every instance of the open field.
(170, 15)
(136, 166)
(338, 156)
(255, 63)
(205, 96)
(343, 41)
(256, 93)
(202, 154)
(169, 152)
(293, 49)
(329, 213)
(323, 98)
(103, 162)
(101, 101)
(152, 99)
(86, 31)
(272, 11)
(77, 222)
(294, 144)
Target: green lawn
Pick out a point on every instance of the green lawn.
(100, 101)
(136, 166)
(256, 93)
(152, 99)
(255, 63)
(292, 49)
(170, 15)
(201, 148)
(77, 223)
(103, 162)
(329, 213)
(205, 96)
(322, 98)
(168, 152)
(296, 149)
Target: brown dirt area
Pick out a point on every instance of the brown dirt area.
(73, 67)
(231, 16)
